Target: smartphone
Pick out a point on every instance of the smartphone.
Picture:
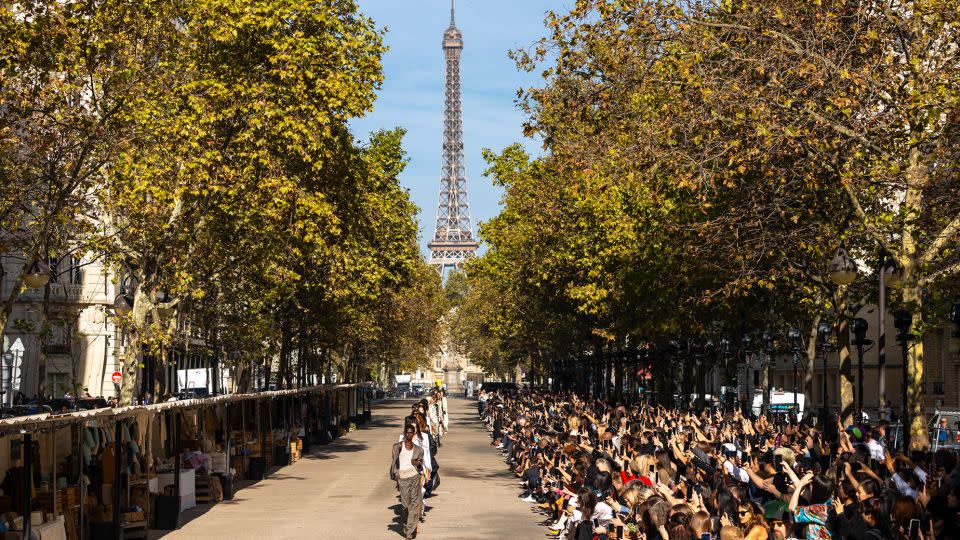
(914, 529)
(686, 445)
(777, 461)
(556, 459)
(652, 470)
(705, 536)
(619, 531)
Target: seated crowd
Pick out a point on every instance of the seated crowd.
(601, 470)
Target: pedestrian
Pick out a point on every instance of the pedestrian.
(406, 468)
(444, 411)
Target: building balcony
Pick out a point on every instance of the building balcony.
(61, 293)
(57, 348)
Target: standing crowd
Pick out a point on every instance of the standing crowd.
(414, 461)
(599, 470)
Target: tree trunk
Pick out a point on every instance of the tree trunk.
(131, 357)
(847, 398)
(919, 438)
(45, 330)
(267, 368)
(286, 342)
(913, 301)
(764, 382)
(302, 357)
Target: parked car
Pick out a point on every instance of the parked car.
(67, 405)
(200, 391)
(24, 410)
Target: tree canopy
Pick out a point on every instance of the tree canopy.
(204, 146)
(706, 159)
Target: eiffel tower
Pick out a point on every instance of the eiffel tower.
(453, 241)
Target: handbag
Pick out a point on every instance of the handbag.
(434, 481)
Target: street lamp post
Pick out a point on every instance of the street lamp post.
(725, 351)
(889, 274)
(859, 327)
(768, 350)
(711, 354)
(696, 351)
(672, 388)
(902, 320)
(955, 318)
(746, 340)
(824, 330)
(796, 343)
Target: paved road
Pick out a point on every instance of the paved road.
(342, 490)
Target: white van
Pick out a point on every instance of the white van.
(780, 403)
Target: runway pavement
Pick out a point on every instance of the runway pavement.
(342, 490)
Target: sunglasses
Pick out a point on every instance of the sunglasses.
(743, 512)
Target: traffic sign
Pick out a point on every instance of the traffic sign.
(116, 377)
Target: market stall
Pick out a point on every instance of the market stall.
(117, 472)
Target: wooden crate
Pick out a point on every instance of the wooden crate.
(69, 496)
(295, 450)
(66, 498)
(132, 517)
(202, 488)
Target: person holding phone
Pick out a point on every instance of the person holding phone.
(820, 497)
(406, 468)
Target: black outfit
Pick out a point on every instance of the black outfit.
(850, 524)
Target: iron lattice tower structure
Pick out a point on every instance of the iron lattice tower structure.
(453, 241)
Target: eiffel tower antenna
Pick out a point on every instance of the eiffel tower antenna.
(453, 241)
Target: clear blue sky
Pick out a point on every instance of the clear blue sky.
(412, 94)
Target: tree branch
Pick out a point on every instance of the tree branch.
(950, 232)
(862, 217)
(942, 273)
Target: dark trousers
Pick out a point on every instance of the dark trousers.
(532, 476)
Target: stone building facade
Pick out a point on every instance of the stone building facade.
(69, 322)
(941, 378)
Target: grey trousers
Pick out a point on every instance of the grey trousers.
(412, 500)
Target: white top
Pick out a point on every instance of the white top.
(406, 469)
(736, 472)
(424, 443)
(603, 513)
(876, 450)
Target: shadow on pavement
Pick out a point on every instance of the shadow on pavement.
(343, 445)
